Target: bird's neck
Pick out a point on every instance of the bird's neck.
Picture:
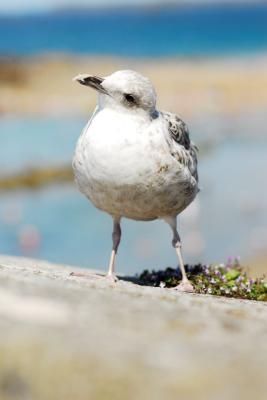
(135, 113)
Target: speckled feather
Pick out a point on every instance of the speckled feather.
(179, 132)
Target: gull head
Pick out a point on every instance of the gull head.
(123, 90)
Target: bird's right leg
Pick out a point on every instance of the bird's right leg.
(116, 238)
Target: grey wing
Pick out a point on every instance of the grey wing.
(186, 151)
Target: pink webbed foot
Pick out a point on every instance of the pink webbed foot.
(184, 286)
(109, 277)
(86, 275)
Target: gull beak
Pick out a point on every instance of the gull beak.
(92, 81)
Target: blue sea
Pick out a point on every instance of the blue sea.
(139, 32)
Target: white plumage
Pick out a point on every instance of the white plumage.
(134, 161)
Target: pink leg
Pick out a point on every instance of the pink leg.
(116, 237)
(185, 285)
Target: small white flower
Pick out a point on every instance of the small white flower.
(162, 284)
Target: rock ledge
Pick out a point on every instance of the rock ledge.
(63, 337)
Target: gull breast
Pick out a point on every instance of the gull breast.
(128, 171)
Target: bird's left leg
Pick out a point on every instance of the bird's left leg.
(185, 285)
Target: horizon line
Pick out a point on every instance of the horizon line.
(117, 5)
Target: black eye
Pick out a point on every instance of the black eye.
(129, 98)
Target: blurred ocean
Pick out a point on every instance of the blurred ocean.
(143, 32)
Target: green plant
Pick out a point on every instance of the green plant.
(230, 280)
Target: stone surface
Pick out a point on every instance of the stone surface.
(63, 337)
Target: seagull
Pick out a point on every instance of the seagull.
(134, 161)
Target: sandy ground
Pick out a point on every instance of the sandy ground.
(189, 87)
